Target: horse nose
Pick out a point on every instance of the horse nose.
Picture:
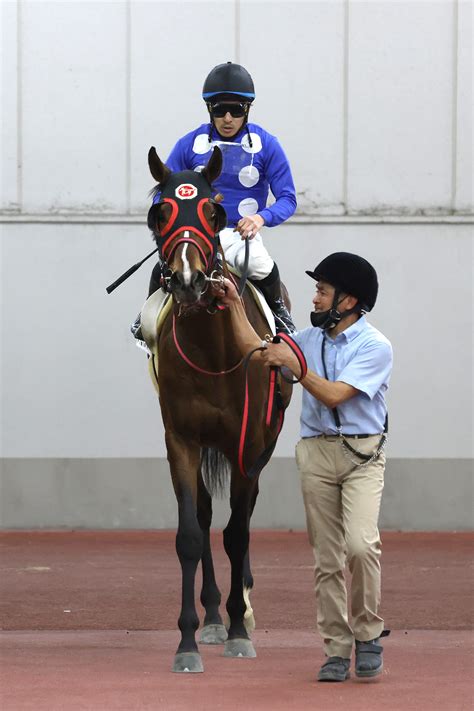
(188, 291)
(198, 281)
(176, 281)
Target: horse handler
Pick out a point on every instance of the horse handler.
(340, 454)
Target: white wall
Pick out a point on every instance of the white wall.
(372, 100)
(74, 384)
(373, 104)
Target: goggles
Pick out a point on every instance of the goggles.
(219, 110)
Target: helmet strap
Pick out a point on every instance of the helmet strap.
(326, 320)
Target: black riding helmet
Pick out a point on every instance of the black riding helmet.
(228, 78)
(229, 82)
(351, 274)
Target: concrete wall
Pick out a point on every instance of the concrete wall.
(373, 104)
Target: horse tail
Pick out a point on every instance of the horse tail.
(216, 470)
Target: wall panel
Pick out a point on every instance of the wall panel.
(464, 129)
(297, 58)
(75, 385)
(174, 45)
(73, 56)
(9, 189)
(400, 106)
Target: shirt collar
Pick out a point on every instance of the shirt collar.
(353, 331)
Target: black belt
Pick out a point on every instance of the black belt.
(349, 436)
(360, 436)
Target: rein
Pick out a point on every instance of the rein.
(274, 400)
(193, 365)
(274, 403)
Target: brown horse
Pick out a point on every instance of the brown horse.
(215, 411)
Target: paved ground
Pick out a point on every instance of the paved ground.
(89, 622)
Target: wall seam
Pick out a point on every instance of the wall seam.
(128, 90)
(19, 107)
(345, 109)
(237, 31)
(454, 112)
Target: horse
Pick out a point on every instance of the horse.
(215, 407)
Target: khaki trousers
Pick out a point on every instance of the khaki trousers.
(342, 506)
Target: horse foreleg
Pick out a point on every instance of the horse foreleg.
(213, 631)
(189, 545)
(249, 619)
(236, 543)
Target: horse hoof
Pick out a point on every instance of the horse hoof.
(239, 648)
(213, 634)
(188, 662)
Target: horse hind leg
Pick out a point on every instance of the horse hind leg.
(213, 631)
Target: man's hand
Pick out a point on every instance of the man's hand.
(281, 354)
(227, 293)
(248, 227)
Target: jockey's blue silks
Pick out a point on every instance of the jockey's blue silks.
(186, 193)
(248, 171)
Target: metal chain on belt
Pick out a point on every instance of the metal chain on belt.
(346, 449)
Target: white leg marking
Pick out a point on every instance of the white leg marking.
(249, 619)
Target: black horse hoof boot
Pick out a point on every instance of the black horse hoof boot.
(369, 657)
(335, 669)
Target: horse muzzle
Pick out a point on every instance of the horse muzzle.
(188, 290)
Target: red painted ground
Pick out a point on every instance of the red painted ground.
(113, 582)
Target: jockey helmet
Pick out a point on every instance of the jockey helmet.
(228, 78)
(351, 274)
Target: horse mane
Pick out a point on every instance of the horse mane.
(154, 191)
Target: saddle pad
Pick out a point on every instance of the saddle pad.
(153, 314)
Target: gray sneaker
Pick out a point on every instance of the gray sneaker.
(335, 669)
(369, 656)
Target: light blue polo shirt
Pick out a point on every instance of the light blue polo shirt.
(360, 356)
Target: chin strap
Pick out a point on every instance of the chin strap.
(329, 319)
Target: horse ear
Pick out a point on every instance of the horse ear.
(158, 169)
(213, 169)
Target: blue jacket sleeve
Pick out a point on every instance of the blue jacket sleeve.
(177, 159)
(280, 179)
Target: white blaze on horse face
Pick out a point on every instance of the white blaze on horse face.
(186, 266)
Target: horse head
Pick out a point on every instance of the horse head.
(186, 222)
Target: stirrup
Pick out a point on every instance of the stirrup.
(136, 328)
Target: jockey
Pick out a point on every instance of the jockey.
(253, 164)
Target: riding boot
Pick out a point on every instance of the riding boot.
(155, 283)
(271, 289)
